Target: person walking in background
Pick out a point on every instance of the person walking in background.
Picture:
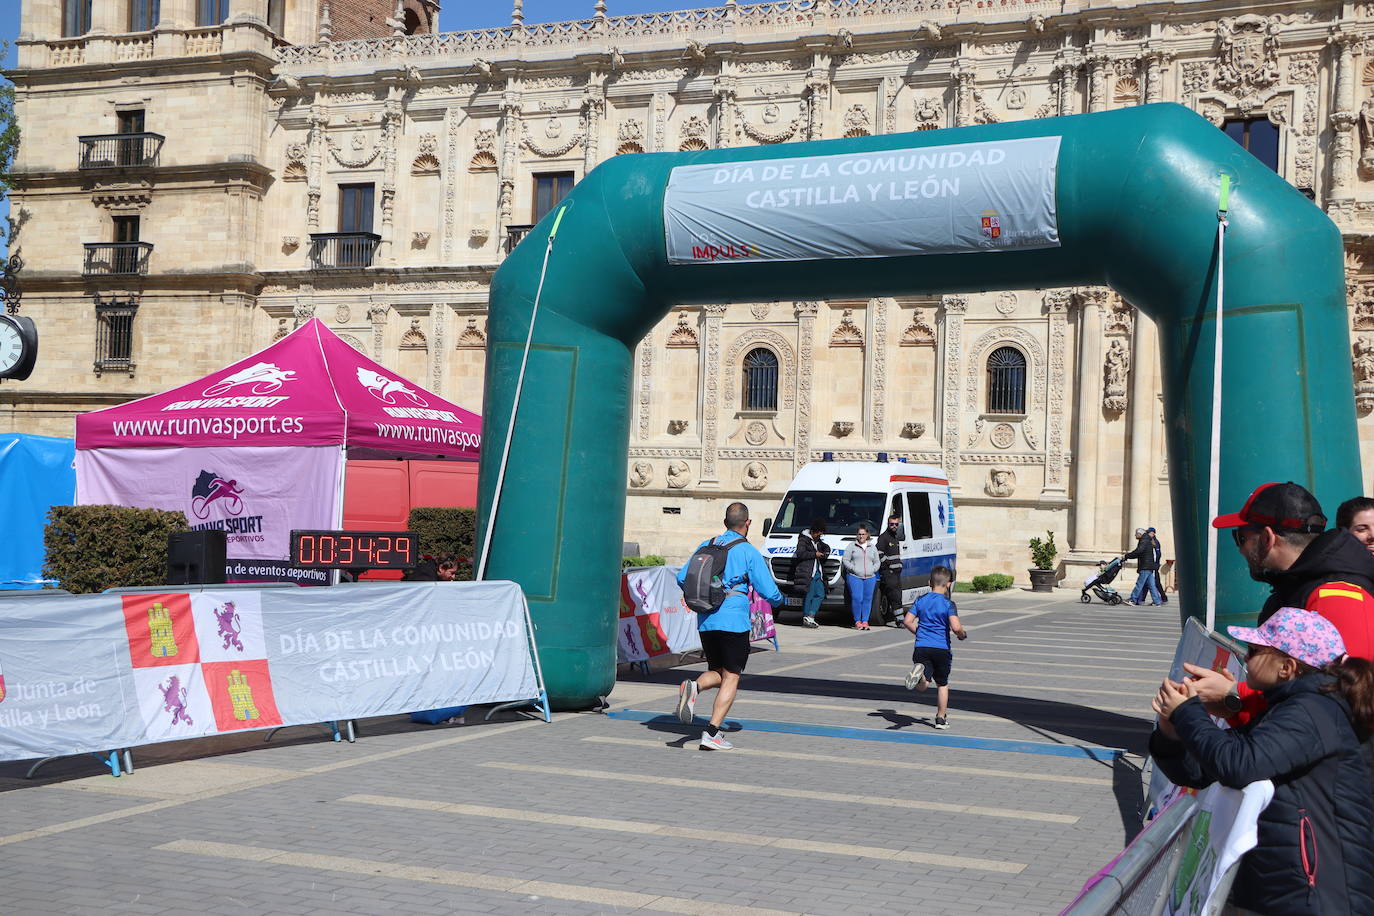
(725, 630)
(931, 619)
(1146, 556)
(861, 571)
(1357, 516)
(1315, 844)
(808, 570)
(890, 575)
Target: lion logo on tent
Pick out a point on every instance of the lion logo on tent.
(386, 389)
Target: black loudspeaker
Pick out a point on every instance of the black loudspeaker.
(196, 557)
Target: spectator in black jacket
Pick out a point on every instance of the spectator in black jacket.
(1146, 556)
(1315, 848)
(808, 570)
(890, 576)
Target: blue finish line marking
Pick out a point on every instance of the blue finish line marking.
(1101, 754)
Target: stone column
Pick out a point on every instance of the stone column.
(875, 353)
(108, 17)
(1142, 424)
(886, 121)
(1098, 63)
(173, 18)
(1087, 418)
(1067, 63)
(817, 102)
(593, 112)
(659, 124)
(1344, 116)
(319, 126)
(39, 21)
(1153, 90)
(1057, 306)
(710, 423)
(806, 335)
(254, 11)
(510, 148)
(725, 93)
(963, 91)
(951, 330)
(391, 138)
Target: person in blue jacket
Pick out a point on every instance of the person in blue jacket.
(725, 631)
(1314, 853)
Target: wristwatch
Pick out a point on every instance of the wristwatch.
(1232, 701)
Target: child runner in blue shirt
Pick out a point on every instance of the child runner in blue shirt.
(932, 618)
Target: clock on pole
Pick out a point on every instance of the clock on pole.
(18, 347)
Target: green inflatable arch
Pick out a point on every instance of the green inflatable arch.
(1134, 196)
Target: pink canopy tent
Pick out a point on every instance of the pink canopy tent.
(258, 448)
(309, 388)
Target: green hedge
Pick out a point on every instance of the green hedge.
(447, 532)
(652, 559)
(92, 548)
(992, 582)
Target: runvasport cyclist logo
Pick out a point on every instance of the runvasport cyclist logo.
(210, 489)
(388, 390)
(260, 378)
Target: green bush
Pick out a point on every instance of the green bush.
(652, 559)
(992, 582)
(445, 531)
(92, 548)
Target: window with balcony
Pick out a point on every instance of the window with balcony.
(211, 12)
(1006, 381)
(143, 15)
(1258, 135)
(76, 18)
(125, 255)
(549, 191)
(114, 335)
(355, 243)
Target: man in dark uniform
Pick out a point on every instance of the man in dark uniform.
(890, 570)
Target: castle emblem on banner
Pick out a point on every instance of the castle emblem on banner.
(163, 640)
(991, 224)
(241, 696)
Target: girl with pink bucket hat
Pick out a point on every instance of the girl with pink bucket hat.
(1315, 850)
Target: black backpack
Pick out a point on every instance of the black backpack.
(702, 588)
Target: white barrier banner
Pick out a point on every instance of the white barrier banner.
(964, 197)
(103, 672)
(654, 620)
(1225, 827)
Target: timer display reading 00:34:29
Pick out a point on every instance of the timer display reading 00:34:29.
(355, 549)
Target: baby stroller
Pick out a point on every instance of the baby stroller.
(1099, 584)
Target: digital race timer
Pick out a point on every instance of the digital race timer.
(355, 549)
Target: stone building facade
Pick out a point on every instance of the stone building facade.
(194, 190)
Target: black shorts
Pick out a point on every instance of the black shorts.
(725, 651)
(937, 662)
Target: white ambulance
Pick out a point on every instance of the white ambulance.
(845, 494)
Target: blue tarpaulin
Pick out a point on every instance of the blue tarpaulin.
(36, 474)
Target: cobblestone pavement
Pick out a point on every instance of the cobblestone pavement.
(840, 797)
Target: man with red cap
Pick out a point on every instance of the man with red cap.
(1281, 533)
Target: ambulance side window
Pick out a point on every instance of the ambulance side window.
(897, 510)
(918, 515)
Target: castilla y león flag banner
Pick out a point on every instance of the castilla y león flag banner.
(105, 672)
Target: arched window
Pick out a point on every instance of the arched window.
(413, 23)
(1006, 381)
(760, 380)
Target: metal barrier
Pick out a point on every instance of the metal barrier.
(1139, 883)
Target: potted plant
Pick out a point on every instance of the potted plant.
(1043, 552)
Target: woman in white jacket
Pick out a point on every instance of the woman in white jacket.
(861, 569)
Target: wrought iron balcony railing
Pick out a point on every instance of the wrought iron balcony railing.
(120, 151)
(111, 259)
(342, 250)
(513, 236)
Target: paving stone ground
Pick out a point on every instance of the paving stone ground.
(597, 814)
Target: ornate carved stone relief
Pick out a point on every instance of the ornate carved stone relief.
(683, 335)
(679, 474)
(1001, 482)
(755, 476)
(847, 333)
(919, 333)
(1363, 365)
(414, 338)
(1116, 364)
(426, 161)
(641, 474)
(472, 337)
(857, 121)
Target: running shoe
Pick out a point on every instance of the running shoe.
(686, 702)
(915, 676)
(942, 722)
(810, 622)
(718, 743)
